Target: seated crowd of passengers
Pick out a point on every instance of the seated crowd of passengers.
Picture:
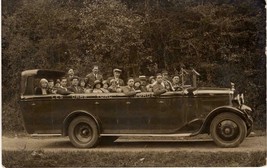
(94, 83)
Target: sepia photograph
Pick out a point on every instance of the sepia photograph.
(133, 83)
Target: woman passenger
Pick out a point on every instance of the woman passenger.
(43, 89)
(97, 87)
(149, 87)
(105, 86)
(82, 85)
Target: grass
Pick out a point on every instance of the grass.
(130, 158)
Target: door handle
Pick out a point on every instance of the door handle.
(128, 102)
(33, 104)
(161, 102)
(96, 103)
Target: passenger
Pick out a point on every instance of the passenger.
(70, 75)
(167, 84)
(105, 86)
(116, 77)
(62, 89)
(51, 87)
(129, 89)
(82, 84)
(158, 87)
(57, 85)
(43, 89)
(97, 87)
(143, 83)
(114, 88)
(176, 83)
(63, 84)
(137, 84)
(94, 75)
(88, 88)
(74, 88)
(149, 87)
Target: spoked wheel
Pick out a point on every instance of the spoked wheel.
(228, 130)
(83, 132)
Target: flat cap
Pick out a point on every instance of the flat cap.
(117, 70)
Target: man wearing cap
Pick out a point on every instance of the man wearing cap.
(143, 83)
(74, 85)
(116, 77)
(94, 75)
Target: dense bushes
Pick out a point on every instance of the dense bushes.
(223, 40)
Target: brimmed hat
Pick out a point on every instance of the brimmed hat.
(117, 70)
(43, 80)
(97, 82)
(142, 78)
(105, 82)
(74, 77)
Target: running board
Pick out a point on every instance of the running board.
(44, 135)
(150, 135)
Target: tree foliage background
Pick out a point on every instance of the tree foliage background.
(223, 39)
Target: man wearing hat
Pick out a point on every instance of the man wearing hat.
(94, 75)
(116, 77)
(143, 83)
(74, 85)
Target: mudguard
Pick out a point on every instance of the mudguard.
(206, 124)
(74, 114)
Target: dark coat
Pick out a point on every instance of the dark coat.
(91, 78)
(121, 82)
(158, 89)
(76, 89)
(38, 91)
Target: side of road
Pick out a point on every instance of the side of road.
(162, 152)
(147, 158)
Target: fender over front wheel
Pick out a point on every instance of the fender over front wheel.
(83, 132)
(228, 130)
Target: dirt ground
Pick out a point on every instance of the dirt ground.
(27, 151)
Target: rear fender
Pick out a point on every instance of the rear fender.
(75, 114)
(206, 125)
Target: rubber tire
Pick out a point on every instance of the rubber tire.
(238, 121)
(91, 123)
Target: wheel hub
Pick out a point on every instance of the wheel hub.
(227, 130)
(83, 132)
